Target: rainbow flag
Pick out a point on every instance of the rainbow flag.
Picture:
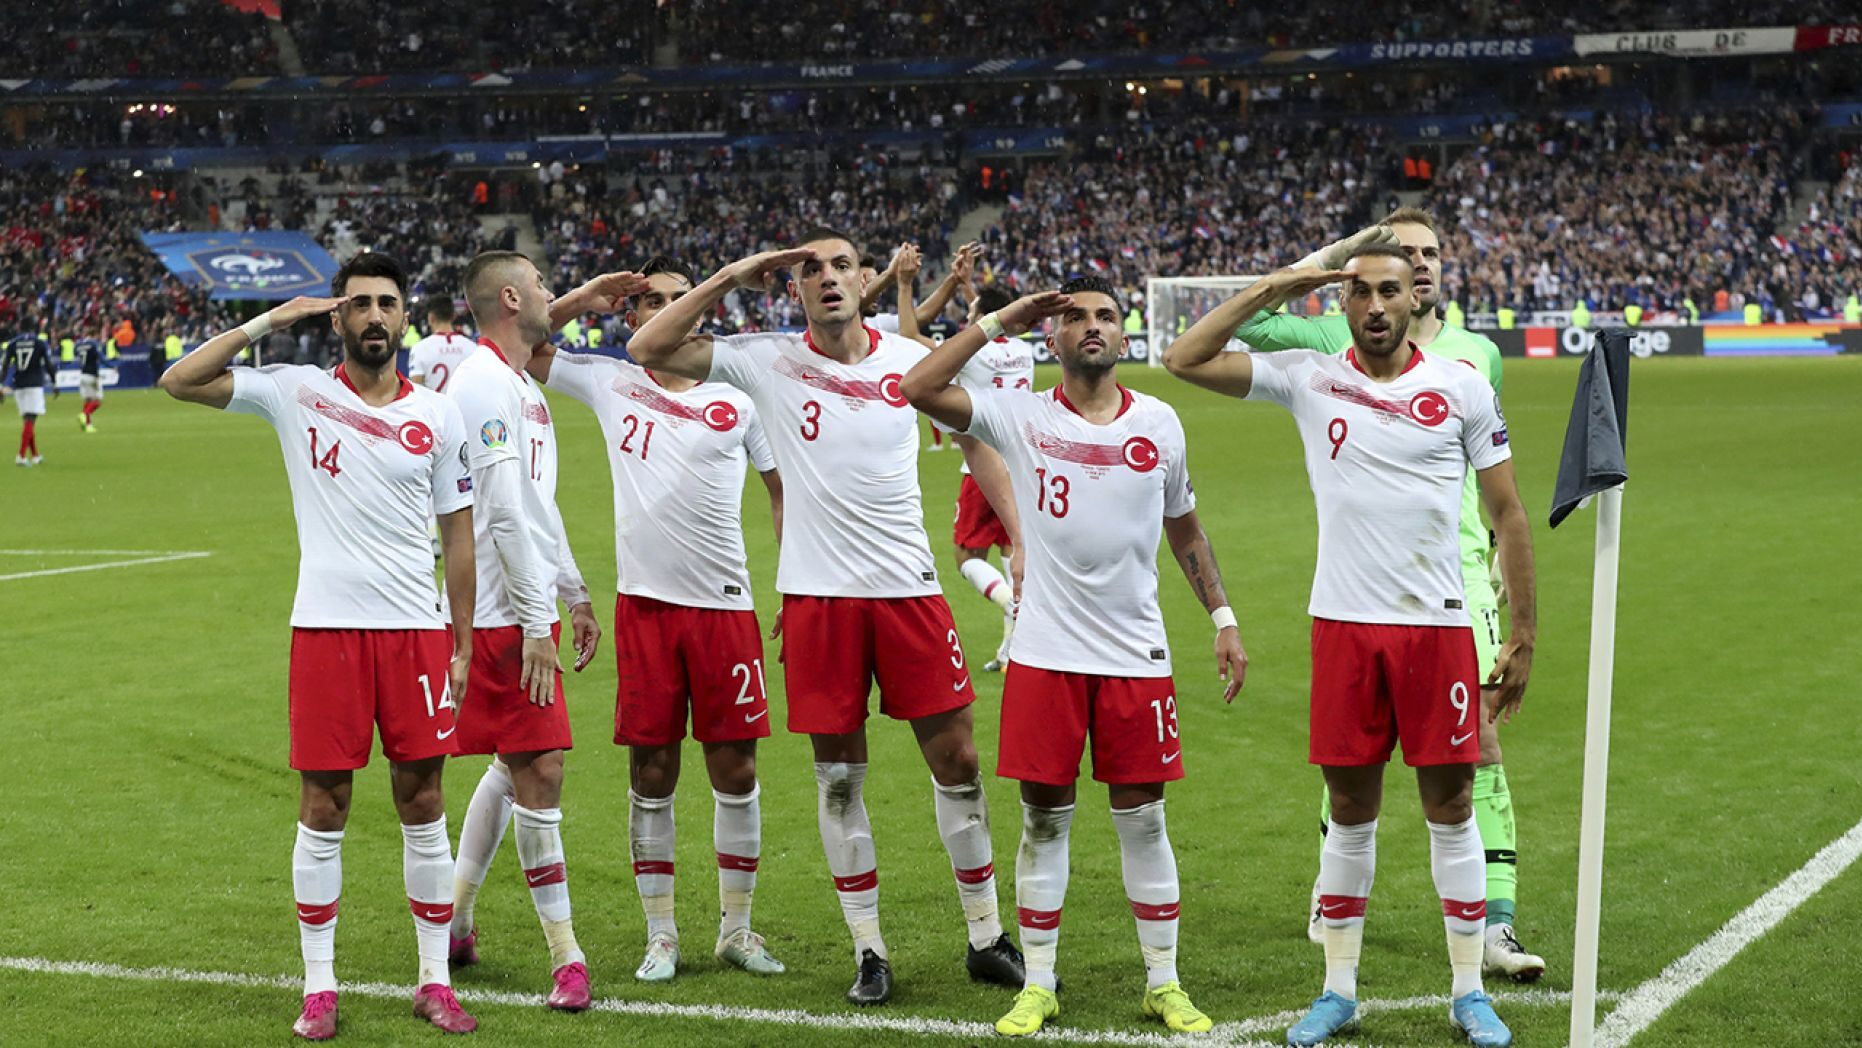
(1777, 340)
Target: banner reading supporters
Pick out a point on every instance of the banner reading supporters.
(269, 266)
(1691, 43)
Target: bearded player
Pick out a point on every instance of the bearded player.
(1390, 434)
(1414, 231)
(686, 636)
(1100, 474)
(370, 457)
(514, 708)
(861, 600)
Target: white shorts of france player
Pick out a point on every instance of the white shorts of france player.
(90, 387)
(29, 401)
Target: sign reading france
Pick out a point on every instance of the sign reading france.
(246, 266)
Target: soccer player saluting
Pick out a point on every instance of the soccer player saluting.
(514, 707)
(433, 359)
(1414, 231)
(860, 591)
(90, 378)
(27, 372)
(685, 630)
(1098, 472)
(1390, 432)
(371, 457)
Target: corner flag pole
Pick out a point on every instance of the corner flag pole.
(1594, 466)
(1596, 766)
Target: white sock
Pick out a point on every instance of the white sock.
(480, 833)
(317, 880)
(847, 837)
(737, 835)
(652, 836)
(1347, 866)
(1460, 869)
(963, 822)
(988, 581)
(1041, 867)
(539, 849)
(427, 872)
(1151, 885)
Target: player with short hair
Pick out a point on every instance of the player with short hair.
(27, 371)
(89, 352)
(1390, 433)
(433, 359)
(514, 708)
(685, 628)
(1414, 231)
(860, 592)
(370, 457)
(1100, 474)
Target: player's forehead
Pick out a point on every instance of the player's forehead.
(1093, 303)
(668, 284)
(1416, 235)
(371, 289)
(1376, 269)
(834, 251)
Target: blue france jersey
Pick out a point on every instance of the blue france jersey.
(28, 361)
(89, 352)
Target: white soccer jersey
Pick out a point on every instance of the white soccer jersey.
(436, 357)
(847, 442)
(887, 323)
(364, 482)
(1005, 363)
(506, 417)
(678, 465)
(1387, 461)
(1092, 501)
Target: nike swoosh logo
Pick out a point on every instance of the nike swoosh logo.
(1337, 907)
(1471, 912)
(960, 684)
(1173, 756)
(443, 735)
(537, 877)
(1456, 740)
(752, 718)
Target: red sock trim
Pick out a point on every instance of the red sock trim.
(1145, 911)
(643, 869)
(741, 863)
(431, 912)
(859, 882)
(1043, 920)
(1465, 911)
(976, 876)
(313, 913)
(1340, 907)
(543, 876)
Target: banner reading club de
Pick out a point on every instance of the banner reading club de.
(270, 266)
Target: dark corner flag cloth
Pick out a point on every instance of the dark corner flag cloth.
(1593, 458)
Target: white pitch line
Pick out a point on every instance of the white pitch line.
(99, 567)
(84, 552)
(1228, 1035)
(1646, 1003)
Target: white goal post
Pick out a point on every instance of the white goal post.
(1172, 304)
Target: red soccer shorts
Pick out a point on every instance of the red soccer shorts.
(1047, 716)
(1375, 684)
(977, 526)
(671, 656)
(835, 647)
(497, 716)
(344, 683)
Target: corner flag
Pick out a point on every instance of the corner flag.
(1594, 464)
(1593, 458)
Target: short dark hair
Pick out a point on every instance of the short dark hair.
(441, 307)
(1382, 251)
(370, 264)
(477, 268)
(866, 261)
(815, 233)
(663, 264)
(991, 297)
(1099, 285)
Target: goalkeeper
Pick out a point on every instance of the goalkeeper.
(1414, 230)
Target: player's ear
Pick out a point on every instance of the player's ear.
(795, 289)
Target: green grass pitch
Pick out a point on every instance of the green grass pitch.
(148, 813)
